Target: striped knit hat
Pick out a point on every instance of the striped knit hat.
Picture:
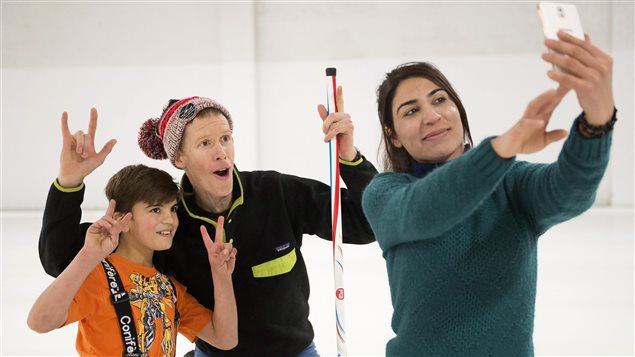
(160, 138)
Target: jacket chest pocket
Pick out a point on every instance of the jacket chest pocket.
(277, 266)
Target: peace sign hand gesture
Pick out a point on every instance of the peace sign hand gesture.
(102, 237)
(222, 256)
(79, 158)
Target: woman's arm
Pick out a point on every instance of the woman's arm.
(553, 193)
(402, 208)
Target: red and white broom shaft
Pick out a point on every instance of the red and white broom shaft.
(336, 219)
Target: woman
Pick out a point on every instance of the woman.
(458, 228)
(267, 213)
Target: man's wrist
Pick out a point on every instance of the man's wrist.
(352, 155)
(67, 182)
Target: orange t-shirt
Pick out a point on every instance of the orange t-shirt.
(152, 301)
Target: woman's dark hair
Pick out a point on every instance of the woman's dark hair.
(397, 159)
(140, 183)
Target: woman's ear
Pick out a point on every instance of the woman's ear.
(393, 140)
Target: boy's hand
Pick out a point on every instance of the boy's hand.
(222, 256)
(102, 237)
(79, 158)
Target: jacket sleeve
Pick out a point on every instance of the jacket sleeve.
(403, 209)
(551, 194)
(310, 202)
(62, 235)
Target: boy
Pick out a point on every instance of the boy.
(150, 307)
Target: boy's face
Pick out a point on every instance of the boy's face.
(152, 227)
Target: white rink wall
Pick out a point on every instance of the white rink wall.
(265, 61)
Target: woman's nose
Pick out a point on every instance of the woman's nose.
(430, 117)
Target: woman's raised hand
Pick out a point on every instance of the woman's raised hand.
(589, 72)
(530, 133)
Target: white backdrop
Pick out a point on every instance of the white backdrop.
(265, 61)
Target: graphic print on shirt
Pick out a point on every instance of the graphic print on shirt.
(153, 296)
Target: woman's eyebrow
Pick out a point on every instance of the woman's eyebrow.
(408, 102)
(413, 101)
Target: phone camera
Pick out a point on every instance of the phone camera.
(560, 11)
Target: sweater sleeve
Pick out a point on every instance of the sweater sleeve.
(62, 235)
(310, 202)
(403, 209)
(550, 194)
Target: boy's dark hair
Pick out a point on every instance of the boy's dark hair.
(140, 183)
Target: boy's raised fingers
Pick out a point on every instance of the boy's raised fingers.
(124, 221)
(110, 211)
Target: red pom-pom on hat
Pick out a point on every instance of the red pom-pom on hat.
(149, 140)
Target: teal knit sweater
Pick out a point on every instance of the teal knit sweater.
(460, 245)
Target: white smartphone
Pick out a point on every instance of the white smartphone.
(559, 17)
